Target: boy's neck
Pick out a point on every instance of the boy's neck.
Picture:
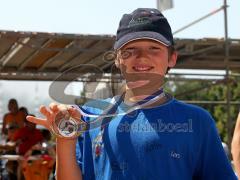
(131, 97)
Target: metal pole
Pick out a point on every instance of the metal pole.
(198, 20)
(226, 61)
(158, 3)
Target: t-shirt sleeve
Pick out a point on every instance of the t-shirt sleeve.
(79, 152)
(84, 156)
(84, 151)
(80, 146)
(212, 162)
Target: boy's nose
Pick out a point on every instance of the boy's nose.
(142, 53)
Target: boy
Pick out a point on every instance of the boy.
(162, 138)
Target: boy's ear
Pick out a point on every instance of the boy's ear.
(117, 62)
(172, 59)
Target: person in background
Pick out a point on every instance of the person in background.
(13, 120)
(235, 147)
(43, 165)
(24, 110)
(26, 137)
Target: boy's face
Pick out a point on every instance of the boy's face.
(144, 61)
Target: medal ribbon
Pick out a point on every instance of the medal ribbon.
(106, 116)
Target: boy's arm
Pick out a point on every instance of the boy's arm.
(66, 163)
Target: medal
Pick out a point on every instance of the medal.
(68, 127)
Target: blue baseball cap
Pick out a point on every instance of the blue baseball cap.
(144, 23)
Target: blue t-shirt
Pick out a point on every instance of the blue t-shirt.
(171, 141)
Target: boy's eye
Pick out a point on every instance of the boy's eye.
(154, 48)
(126, 53)
(132, 51)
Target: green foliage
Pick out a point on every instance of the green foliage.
(209, 91)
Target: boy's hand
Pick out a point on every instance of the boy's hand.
(51, 113)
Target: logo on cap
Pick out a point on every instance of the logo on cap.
(139, 21)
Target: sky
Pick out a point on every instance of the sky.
(102, 17)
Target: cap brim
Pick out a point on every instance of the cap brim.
(141, 35)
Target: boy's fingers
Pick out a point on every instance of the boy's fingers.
(74, 112)
(45, 111)
(62, 107)
(53, 107)
(36, 120)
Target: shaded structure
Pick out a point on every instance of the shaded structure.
(44, 56)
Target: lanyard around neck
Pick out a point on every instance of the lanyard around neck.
(104, 118)
(116, 101)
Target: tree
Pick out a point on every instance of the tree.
(210, 91)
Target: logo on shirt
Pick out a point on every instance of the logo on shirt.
(175, 155)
